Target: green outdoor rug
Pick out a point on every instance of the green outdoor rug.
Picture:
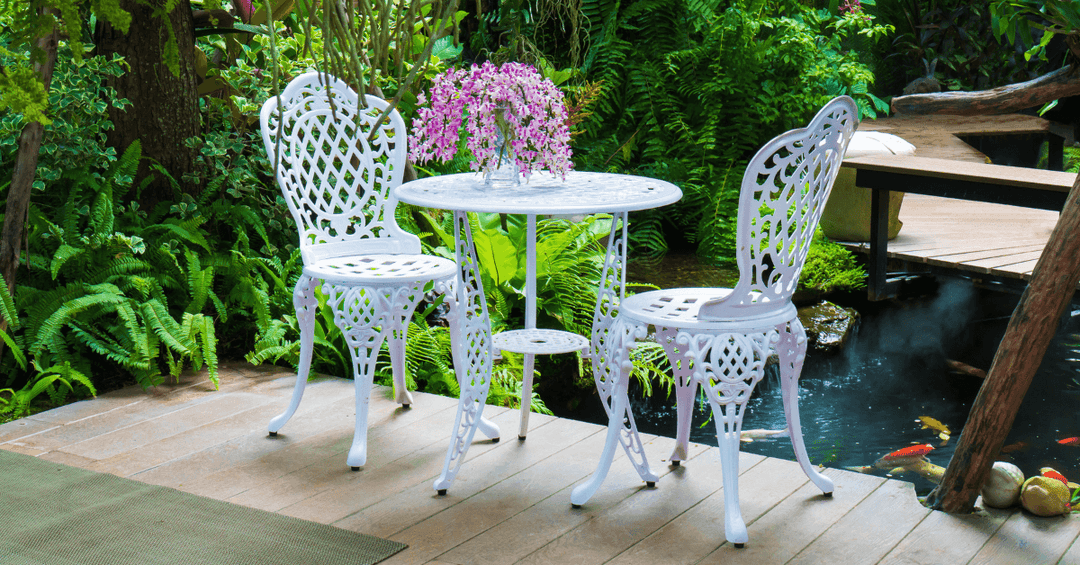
(56, 514)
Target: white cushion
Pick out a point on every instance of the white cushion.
(864, 143)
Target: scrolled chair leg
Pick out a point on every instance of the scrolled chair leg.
(791, 349)
(305, 304)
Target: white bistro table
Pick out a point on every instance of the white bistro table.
(543, 194)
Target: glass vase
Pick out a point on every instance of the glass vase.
(506, 173)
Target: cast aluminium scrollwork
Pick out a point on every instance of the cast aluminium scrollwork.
(472, 354)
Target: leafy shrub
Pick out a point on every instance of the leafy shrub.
(958, 34)
(830, 266)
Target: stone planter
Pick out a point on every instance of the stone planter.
(847, 213)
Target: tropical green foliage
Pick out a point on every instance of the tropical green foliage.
(963, 37)
(77, 103)
(830, 266)
(22, 22)
(692, 89)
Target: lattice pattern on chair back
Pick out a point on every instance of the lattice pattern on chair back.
(784, 191)
(336, 182)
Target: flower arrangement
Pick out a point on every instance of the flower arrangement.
(509, 111)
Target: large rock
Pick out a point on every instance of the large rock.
(828, 326)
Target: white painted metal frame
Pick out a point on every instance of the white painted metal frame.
(336, 179)
(720, 339)
(580, 193)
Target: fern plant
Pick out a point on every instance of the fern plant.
(691, 88)
(99, 288)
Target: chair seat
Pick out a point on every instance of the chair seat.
(381, 269)
(678, 307)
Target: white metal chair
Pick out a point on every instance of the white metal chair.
(719, 338)
(337, 179)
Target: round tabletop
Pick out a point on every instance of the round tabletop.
(544, 193)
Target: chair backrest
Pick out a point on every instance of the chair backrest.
(336, 182)
(784, 191)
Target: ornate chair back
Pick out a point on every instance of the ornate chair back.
(784, 191)
(335, 175)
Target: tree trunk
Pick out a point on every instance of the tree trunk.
(18, 197)
(164, 109)
(1027, 336)
(1006, 99)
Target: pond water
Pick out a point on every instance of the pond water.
(866, 401)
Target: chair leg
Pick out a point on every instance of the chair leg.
(396, 346)
(365, 317)
(684, 410)
(364, 373)
(728, 366)
(686, 388)
(306, 305)
(791, 349)
(728, 440)
(526, 394)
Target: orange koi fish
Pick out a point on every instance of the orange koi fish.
(1050, 473)
(1074, 441)
(904, 457)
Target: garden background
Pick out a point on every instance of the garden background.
(155, 239)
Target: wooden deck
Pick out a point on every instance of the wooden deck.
(511, 502)
(975, 237)
(978, 238)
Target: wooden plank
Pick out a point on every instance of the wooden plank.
(194, 440)
(615, 530)
(1072, 556)
(140, 432)
(133, 415)
(1024, 538)
(937, 136)
(867, 533)
(521, 536)
(316, 458)
(947, 538)
(254, 444)
(401, 509)
(403, 463)
(443, 532)
(787, 528)
(1003, 263)
(986, 253)
(699, 531)
(948, 169)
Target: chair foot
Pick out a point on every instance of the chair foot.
(355, 468)
(406, 406)
(442, 492)
(676, 463)
(650, 484)
(827, 494)
(740, 545)
(521, 438)
(273, 434)
(575, 506)
(494, 440)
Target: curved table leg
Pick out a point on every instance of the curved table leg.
(305, 304)
(608, 371)
(470, 330)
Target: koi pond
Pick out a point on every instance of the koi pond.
(900, 365)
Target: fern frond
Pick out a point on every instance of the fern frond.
(163, 325)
